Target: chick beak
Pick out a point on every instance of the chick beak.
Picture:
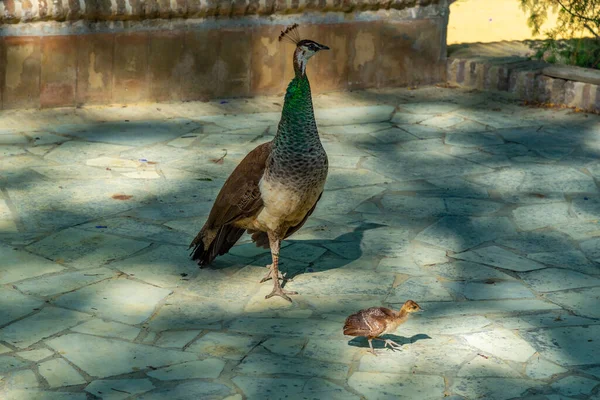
(323, 47)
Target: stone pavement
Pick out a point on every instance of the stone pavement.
(485, 212)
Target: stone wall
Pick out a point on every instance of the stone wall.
(528, 80)
(74, 52)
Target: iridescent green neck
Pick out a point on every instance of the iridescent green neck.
(297, 125)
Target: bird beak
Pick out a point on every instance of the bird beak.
(323, 47)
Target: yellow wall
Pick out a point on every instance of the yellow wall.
(489, 21)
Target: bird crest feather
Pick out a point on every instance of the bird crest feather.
(290, 34)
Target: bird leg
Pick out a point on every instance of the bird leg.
(371, 346)
(268, 275)
(277, 290)
(388, 342)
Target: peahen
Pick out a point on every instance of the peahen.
(276, 187)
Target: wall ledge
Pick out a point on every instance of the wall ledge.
(533, 81)
(16, 11)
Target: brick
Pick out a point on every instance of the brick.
(22, 76)
(569, 92)
(530, 84)
(58, 71)
(181, 8)
(492, 78)
(461, 72)
(224, 8)
(482, 70)
(121, 9)
(364, 48)
(503, 74)
(238, 7)
(130, 73)
(43, 8)
(558, 91)
(522, 83)
(165, 71)
(164, 8)
(57, 11)
(95, 54)
(199, 66)
(195, 8)
(73, 11)
(210, 8)
(137, 7)
(574, 92)
(27, 11)
(543, 88)
(151, 9)
(268, 61)
(235, 49)
(410, 53)
(452, 66)
(586, 96)
(470, 73)
(254, 6)
(9, 10)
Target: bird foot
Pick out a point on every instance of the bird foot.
(278, 291)
(393, 345)
(269, 275)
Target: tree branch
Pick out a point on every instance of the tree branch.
(589, 28)
(569, 10)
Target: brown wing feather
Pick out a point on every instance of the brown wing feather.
(238, 199)
(240, 195)
(370, 322)
(261, 239)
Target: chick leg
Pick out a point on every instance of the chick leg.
(393, 345)
(277, 290)
(371, 346)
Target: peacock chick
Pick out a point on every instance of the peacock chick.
(376, 321)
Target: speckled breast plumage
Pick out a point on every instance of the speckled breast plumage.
(298, 159)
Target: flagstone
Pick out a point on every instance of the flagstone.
(397, 386)
(58, 373)
(14, 305)
(64, 282)
(46, 323)
(102, 357)
(224, 345)
(119, 389)
(461, 233)
(35, 355)
(208, 369)
(499, 257)
(99, 327)
(83, 249)
(19, 265)
(122, 300)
